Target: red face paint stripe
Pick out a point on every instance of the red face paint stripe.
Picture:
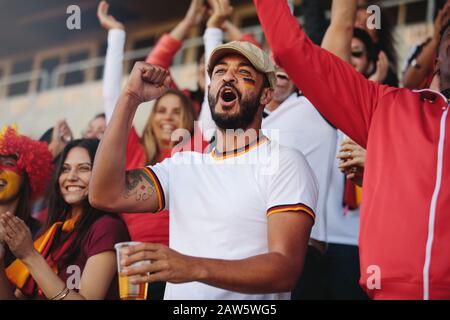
(14, 169)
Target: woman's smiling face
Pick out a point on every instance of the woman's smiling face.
(75, 176)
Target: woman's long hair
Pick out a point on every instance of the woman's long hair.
(59, 209)
(23, 210)
(187, 122)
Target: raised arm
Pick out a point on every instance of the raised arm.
(338, 37)
(341, 94)
(213, 37)
(112, 188)
(112, 74)
(168, 45)
(235, 34)
(416, 74)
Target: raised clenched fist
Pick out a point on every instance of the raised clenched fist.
(147, 82)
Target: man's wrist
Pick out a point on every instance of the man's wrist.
(132, 99)
(199, 269)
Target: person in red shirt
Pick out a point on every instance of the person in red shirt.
(405, 209)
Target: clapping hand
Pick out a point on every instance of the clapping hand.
(16, 235)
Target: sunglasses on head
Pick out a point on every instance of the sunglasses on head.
(357, 53)
(282, 77)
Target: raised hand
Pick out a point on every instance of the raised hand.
(382, 68)
(441, 20)
(61, 135)
(221, 10)
(195, 13)
(193, 17)
(147, 82)
(107, 21)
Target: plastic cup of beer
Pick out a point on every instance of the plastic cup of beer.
(127, 289)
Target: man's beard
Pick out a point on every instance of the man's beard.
(248, 107)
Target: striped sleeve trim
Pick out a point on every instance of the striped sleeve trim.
(292, 207)
(159, 189)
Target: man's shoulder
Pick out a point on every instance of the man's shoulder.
(288, 158)
(285, 151)
(187, 157)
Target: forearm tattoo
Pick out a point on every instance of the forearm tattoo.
(138, 185)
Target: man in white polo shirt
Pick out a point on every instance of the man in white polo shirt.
(240, 216)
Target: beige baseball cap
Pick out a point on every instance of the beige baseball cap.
(257, 57)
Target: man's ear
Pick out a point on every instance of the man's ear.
(266, 96)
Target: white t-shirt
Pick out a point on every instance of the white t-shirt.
(297, 124)
(341, 228)
(219, 206)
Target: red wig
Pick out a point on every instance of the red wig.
(33, 157)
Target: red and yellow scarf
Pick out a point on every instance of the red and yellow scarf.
(19, 274)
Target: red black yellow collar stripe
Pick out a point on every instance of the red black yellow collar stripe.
(158, 187)
(292, 207)
(237, 152)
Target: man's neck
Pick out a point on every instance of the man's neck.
(9, 207)
(230, 140)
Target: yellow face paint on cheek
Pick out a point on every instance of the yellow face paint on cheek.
(12, 187)
(249, 83)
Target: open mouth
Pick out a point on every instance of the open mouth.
(3, 183)
(228, 96)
